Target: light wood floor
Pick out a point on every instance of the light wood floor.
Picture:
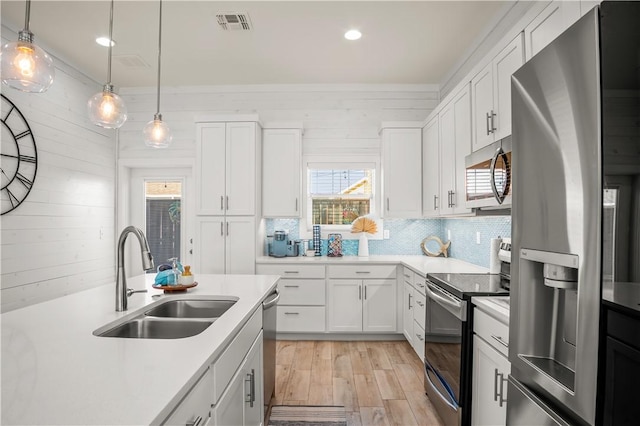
(379, 383)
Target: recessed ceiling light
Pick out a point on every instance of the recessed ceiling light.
(104, 41)
(352, 35)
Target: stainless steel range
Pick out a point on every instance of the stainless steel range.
(449, 339)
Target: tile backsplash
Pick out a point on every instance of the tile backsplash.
(405, 236)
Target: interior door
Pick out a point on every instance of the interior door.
(153, 207)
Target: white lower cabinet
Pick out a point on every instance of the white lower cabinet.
(301, 308)
(408, 302)
(195, 407)
(362, 305)
(230, 392)
(241, 403)
(491, 368)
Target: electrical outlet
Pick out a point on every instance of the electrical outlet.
(101, 233)
(385, 234)
(448, 234)
(478, 237)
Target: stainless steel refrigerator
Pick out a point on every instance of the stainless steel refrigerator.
(569, 159)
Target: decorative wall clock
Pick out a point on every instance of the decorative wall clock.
(19, 157)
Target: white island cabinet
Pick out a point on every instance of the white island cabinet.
(491, 366)
(56, 371)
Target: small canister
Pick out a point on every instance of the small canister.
(334, 245)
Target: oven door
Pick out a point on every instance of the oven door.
(443, 356)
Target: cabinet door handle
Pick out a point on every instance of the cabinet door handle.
(410, 296)
(227, 202)
(453, 202)
(359, 292)
(498, 389)
(292, 313)
(500, 340)
(296, 203)
(291, 272)
(387, 203)
(488, 127)
(194, 422)
(292, 286)
(251, 379)
(222, 228)
(365, 292)
(221, 202)
(227, 229)
(435, 202)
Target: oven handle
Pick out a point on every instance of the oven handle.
(448, 399)
(456, 307)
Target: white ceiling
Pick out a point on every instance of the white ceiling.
(292, 42)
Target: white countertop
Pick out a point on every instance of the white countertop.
(420, 264)
(496, 306)
(55, 371)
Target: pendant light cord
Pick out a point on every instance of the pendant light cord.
(159, 55)
(110, 44)
(27, 14)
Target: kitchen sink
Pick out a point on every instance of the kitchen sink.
(156, 328)
(195, 308)
(169, 319)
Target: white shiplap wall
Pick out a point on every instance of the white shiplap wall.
(61, 239)
(337, 119)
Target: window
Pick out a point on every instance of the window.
(338, 195)
(163, 202)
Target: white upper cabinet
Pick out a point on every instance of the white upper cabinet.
(402, 172)
(226, 168)
(431, 164)
(491, 95)
(281, 188)
(549, 24)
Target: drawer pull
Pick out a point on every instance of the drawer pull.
(291, 285)
(499, 340)
(291, 272)
(363, 272)
(419, 337)
(420, 285)
(292, 313)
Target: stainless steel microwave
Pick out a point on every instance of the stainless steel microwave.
(488, 176)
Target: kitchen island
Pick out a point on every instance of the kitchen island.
(55, 371)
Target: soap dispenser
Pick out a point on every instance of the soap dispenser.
(187, 277)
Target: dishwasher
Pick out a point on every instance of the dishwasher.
(269, 319)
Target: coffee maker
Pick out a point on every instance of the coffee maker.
(278, 248)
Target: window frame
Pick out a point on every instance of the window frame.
(344, 162)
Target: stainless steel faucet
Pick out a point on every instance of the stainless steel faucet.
(122, 292)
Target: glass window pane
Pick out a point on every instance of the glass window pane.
(339, 196)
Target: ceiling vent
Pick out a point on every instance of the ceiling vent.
(233, 21)
(130, 61)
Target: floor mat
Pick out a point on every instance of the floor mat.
(307, 415)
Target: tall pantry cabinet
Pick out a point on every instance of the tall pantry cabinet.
(228, 161)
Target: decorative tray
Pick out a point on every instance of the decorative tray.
(174, 288)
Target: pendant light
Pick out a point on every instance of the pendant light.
(156, 133)
(106, 109)
(25, 66)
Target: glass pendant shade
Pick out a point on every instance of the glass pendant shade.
(156, 133)
(106, 109)
(25, 66)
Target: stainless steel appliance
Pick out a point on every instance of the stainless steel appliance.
(488, 175)
(449, 340)
(269, 322)
(576, 178)
(279, 244)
